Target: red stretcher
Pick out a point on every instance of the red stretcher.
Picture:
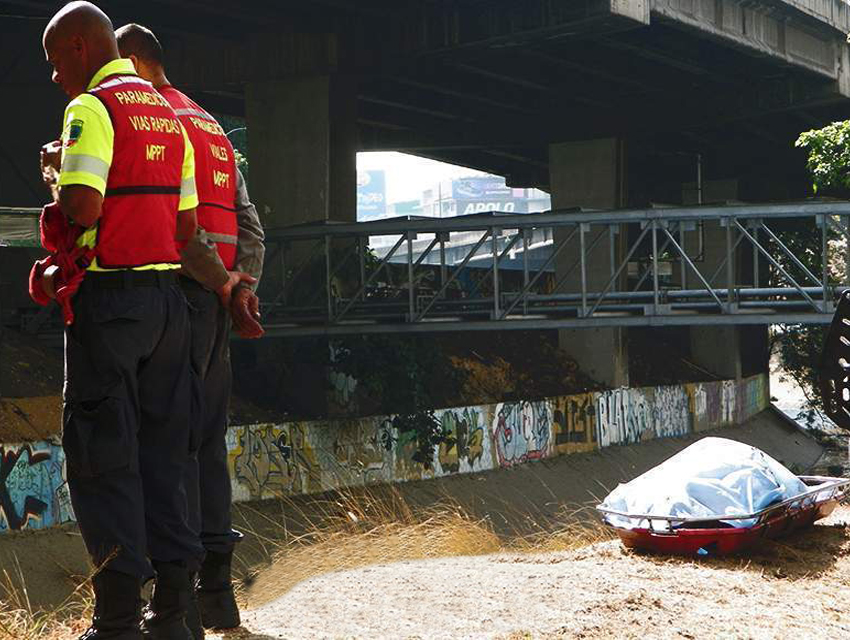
(713, 537)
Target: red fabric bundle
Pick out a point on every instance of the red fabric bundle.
(59, 237)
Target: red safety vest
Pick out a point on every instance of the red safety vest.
(215, 173)
(139, 217)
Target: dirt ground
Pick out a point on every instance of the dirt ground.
(798, 588)
(30, 388)
(30, 367)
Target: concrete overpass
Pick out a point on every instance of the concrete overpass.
(489, 84)
(605, 103)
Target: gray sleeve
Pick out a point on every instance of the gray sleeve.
(250, 249)
(201, 262)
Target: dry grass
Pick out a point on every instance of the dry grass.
(364, 529)
(19, 620)
(349, 531)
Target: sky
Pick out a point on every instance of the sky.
(408, 176)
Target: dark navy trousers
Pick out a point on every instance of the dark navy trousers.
(207, 476)
(126, 422)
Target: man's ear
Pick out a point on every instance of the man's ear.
(135, 62)
(78, 44)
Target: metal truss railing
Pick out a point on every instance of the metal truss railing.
(325, 280)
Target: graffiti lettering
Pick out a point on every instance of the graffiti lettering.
(671, 412)
(472, 450)
(33, 493)
(624, 416)
(574, 423)
(522, 431)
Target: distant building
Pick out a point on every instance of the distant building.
(467, 196)
(371, 195)
(449, 198)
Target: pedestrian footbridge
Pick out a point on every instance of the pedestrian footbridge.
(730, 264)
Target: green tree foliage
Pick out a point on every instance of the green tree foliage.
(828, 152)
(828, 164)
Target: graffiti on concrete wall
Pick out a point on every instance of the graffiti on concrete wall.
(355, 452)
(522, 431)
(728, 405)
(269, 460)
(472, 450)
(671, 412)
(33, 490)
(624, 416)
(272, 460)
(698, 400)
(574, 424)
(717, 404)
(753, 396)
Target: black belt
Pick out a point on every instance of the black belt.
(128, 279)
(190, 283)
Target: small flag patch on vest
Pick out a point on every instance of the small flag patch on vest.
(75, 130)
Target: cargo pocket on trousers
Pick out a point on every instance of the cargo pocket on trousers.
(96, 436)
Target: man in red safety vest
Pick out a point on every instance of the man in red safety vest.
(230, 229)
(127, 180)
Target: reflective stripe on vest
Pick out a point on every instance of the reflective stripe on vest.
(215, 173)
(139, 217)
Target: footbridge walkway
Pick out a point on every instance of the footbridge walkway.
(730, 264)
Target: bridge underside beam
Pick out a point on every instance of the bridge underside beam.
(763, 28)
(492, 83)
(529, 324)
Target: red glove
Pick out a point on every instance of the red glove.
(59, 237)
(37, 292)
(57, 232)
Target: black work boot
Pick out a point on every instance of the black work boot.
(117, 607)
(165, 617)
(216, 601)
(193, 615)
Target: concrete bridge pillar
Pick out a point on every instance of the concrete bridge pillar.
(590, 174)
(302, 135)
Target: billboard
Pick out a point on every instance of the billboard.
(371, 195)
(466, 207)
(481, 188)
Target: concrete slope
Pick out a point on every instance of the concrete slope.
(533, 495)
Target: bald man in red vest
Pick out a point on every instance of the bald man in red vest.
(126, 181)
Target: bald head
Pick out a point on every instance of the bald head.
(78, 41)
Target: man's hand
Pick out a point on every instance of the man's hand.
(233, 278)
(51, 161)
(245, 310)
